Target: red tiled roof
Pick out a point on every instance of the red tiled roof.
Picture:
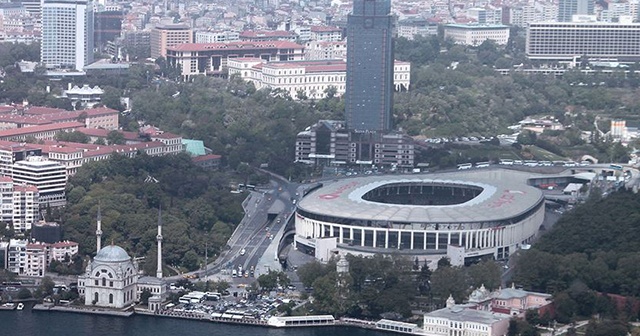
(205, 157)
(64, 244)
(242, 45)
(320, 29)
(266, 33)
(41, 128)
(165, 135)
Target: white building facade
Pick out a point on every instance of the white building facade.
(48, 176)
(67, 34)
(564, 41)
(474, 35)
(312, 78)
(110, 279)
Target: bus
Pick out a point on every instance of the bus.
(615, 167)
(483, 164)
(463, 166)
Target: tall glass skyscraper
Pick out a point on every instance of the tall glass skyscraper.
(369, 84)
(67, 34)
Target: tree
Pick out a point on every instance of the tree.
(24, 293)
(46, 285)
(444, 262)
(310, 272)
(115, 138)
(74, 136)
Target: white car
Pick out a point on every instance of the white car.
(242, 252)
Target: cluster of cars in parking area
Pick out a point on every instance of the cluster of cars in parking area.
(259, 307)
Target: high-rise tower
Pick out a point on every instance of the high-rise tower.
(159, 239)
(568, 8)
(369, 84)
(67, 34)
(98, 230)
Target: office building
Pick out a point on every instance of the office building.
(213, 58)
(67, 34)
(48, 176)
(329, 143)
(107, 27)
(568, 8)
(566, 41)
(473, 34)
(369, 82)
(168, 35)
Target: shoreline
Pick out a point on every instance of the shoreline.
(353, 323)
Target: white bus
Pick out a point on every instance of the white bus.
(506, 162)
(483, 164)
(463, 166)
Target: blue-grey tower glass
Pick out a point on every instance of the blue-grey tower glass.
(369, 86)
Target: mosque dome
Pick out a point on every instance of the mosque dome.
(112, 253)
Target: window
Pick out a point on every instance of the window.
(104, 281)
(110, 298)
(95, 297)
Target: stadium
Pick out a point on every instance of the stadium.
(463, 215)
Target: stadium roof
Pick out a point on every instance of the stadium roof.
(505, 195)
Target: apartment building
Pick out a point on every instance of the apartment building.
(564, 41)
(26, 207)
(168, 35)
(268, 35)
(217, 36)
(315, 50)
(326, 34)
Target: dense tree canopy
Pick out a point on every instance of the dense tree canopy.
(196, 206)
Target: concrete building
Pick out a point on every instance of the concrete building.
(458, 320)
(310, 79)
(329, 143)
(67, 34)
(325, 34)
(217, 36)
(473, 35)
(369, 90)
(315, 50)
(213, 58)
(17, 256)
(36, 261)
(20, 204)
(268, 35)
(26, 207)
(48, 176)
(566, 41)
(168, 35)
(568, 8)
(412, 27)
